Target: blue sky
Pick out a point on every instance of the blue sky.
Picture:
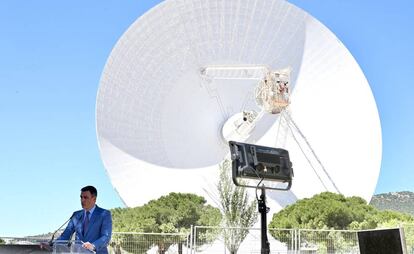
(52, 54)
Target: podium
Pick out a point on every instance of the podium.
(66, 247)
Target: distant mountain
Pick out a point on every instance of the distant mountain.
(396, 201)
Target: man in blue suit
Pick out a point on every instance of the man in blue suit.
(92, 224)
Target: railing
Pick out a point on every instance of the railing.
(22, 240)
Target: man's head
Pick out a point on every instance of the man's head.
(88, 197)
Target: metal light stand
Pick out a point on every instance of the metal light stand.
(261, 163)
(263, 210)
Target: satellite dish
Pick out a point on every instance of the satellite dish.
(185, 72)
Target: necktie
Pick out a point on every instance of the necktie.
(86, 222)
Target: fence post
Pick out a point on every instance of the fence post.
(295, 241)
(191, 239)
(195, 240)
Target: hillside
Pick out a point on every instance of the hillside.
(396, 201)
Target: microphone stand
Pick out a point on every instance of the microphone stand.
(54, 233)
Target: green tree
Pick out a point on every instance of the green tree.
(332, 211)
(2, 241)
(173, 213)
(239, 213)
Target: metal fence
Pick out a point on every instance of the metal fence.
(238, 240)
(409, 237)
(282, 241)
(234, 240)
(127, 242)
(327, 241)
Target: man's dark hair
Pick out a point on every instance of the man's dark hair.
(91, 189)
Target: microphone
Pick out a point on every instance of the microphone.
(54, 233)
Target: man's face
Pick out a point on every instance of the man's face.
(87, 200)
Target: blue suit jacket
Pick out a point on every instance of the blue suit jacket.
(99, 229)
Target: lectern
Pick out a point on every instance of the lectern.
(65, 247)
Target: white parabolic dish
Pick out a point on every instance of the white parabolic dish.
(159, 122)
